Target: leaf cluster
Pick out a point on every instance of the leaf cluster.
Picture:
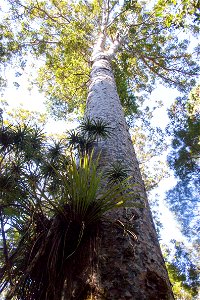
(185, 118)
(183, 271)
(87, 134)
(124, 87)
(63, 34)
(51, 207)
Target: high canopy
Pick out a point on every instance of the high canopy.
(144, 40)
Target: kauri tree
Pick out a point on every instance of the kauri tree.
(82, 44)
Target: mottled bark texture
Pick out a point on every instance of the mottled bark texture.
(127, 268)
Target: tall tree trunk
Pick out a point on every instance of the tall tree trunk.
(127, 268)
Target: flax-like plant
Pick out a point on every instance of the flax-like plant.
(82, 191)
(53, 249)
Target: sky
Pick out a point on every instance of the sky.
(30, 99)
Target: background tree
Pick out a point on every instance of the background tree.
(149, 143)
(183, 198)
(184, 160)
(183, 268)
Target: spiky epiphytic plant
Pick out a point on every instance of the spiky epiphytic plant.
(97, 129)
(23, 139)
(89, 132)
(58, 231)
(80, 142)
(116, 172)
(52, 208)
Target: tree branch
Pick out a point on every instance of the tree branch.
(158, 74)
(168, 69)
(117, 43)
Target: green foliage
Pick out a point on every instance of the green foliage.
(8, 44)
(185, 118)
(50, 29)
(183, 271)
(116, 173)
(51, 208)
(9, 48)
(183, 198)
(63, 33)
(124, 89)
(95, 129)
(58, 228)
(87, 134)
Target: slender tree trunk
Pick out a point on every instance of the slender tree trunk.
(127, 268)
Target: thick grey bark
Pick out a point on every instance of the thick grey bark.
(127, 268)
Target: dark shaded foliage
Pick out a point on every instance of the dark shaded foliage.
(183, 271)
(116, 172)
(52, 208)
